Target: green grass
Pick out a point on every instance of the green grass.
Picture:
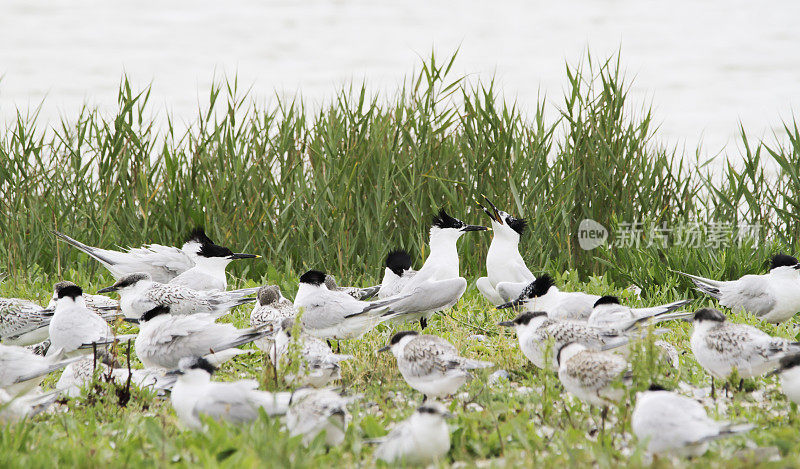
(530, 418)
(339, 187)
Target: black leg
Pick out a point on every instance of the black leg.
(329, 343)
(741, 385)
(423, 322)
(603, 415)
(713, 389)
(424, 398)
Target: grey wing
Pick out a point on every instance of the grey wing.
(18, 317)
(596, 370)
(227, 401)
(430, 354)
(751, 293)
(432, 295)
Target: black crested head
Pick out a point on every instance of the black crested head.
(782, 260)
(607, 300)
(155, 312)
(538, 287)
(399, 336)
(68, 291)
(790, 361)
(429, 409)
(203, 364)
(313, 277)
(398, 261)
(525, 318)
(656, 387)
(709, 314)
(198, 235)
(214, 250)
(517, 224)
(443, 220)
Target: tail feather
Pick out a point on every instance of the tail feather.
(704, 285)
(91, 251)
(245, 338)
(369, 292)
(50, 368)
(729, 430)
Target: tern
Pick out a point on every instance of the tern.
(789, 372)
(543, 295)
(721, 347)
(14, 408)
(421, 439)
(330, 314)
(23, 322)
(397, 274)
(313, 411)
(74, 329)
(318, 364)
(139, 293)
(773, 297)
(270, 310)
(430, 364)
(609, 313)
(673, 424)
(199, 264)
(438, 284)
(164, 339)
(195, 395)
(507, 274)
(538, 334)
(21, 370)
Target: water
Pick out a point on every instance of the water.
(705, 66)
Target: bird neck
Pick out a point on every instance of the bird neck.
(444, 253)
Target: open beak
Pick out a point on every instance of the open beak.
(240, 255)
(107, 289)
(475, 228)
(496, 216)
(488, 212)
(506, 324)
(383, 349)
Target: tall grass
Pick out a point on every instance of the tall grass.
(338, 187)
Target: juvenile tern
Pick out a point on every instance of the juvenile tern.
(507, 274)
(356, 292)
(789, 372)
(423, 438)
(774, 297)
(318, 364)
(330, 314)
(397, 273)
(591, 375)
(673, 424)
(270, 310)
(23, 322)
(139, 293)
(720, 346)
(543, 295)
(313, 411)
(538, 334)
(164, 339)
(195, 395)
(430, 364)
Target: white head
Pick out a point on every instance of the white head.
(398, 342)
(505, 226)
(130, 283)
(784, 266)
(447, 228)
(568, 351)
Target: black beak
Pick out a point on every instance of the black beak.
(239, 255)
(107, 289)
(511, 304)
(496, 211)
(506, 324)
(475, 228)
(797, 267)
(131, 320)
(383, 349)
(487, 212)
(173, 373)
